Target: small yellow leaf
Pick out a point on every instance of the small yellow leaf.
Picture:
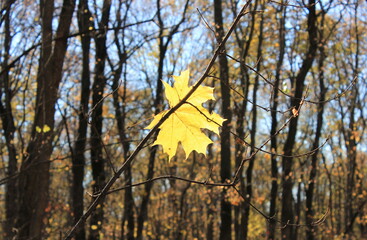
(185, 124)
(46, 128)
(94, 227)
(38, 129)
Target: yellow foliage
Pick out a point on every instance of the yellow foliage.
(44, 129)
(185, 124)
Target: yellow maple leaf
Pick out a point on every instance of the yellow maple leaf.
(185, 124)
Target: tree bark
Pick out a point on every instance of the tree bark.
(349, 137)
(274, 123)
(225, 143)
(253, 127)
(310, 231)
(143, 214)
(35, 176)
(120, 113)
(240, 112)
(6, 115)
(98, 162)
(78, 159)
(287, 161)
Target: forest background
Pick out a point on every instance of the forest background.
(81, 80)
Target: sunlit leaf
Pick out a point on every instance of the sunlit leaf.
(185, 124)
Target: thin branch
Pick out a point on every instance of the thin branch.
(99, 102)
(205, 183)
(267, 109)
(272, 218)
(239, 169)
(205, 22)
(337, 96)
(242, 140)
(90, 31)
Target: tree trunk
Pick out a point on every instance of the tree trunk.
(225, 143)
(121, 120)
(240, 111)
(350, 139)
(11, 195)
(287, 160)
(143, 214)
(78, 160)
(34, 180)
(120, 113)
(310, 231)
(98, 162)
(274, 123)
(253, 127)
(8, 126)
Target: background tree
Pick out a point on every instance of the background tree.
(8, 127)
(78, 159)
(225, 153)
(281, 10)
(98, 161)
(299, 82)
(34, 177)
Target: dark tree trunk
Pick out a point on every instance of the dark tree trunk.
(298, 208)
(98, 162)
(225, 143)
(209, 220)
(34, 180)
(287, 161)
(121, 119)
(78, 160)
(253, 128)
(310, 231)
(120, 113)
(6, 114)
(240, 111)
(143, 214)
(274, 123)
(350, 139)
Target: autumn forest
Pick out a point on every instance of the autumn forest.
(183, 119)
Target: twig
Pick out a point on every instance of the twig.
(205, 22)
(95, 30)
(206, 183)
(239, 169)
(337, 96)
(242, 140)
